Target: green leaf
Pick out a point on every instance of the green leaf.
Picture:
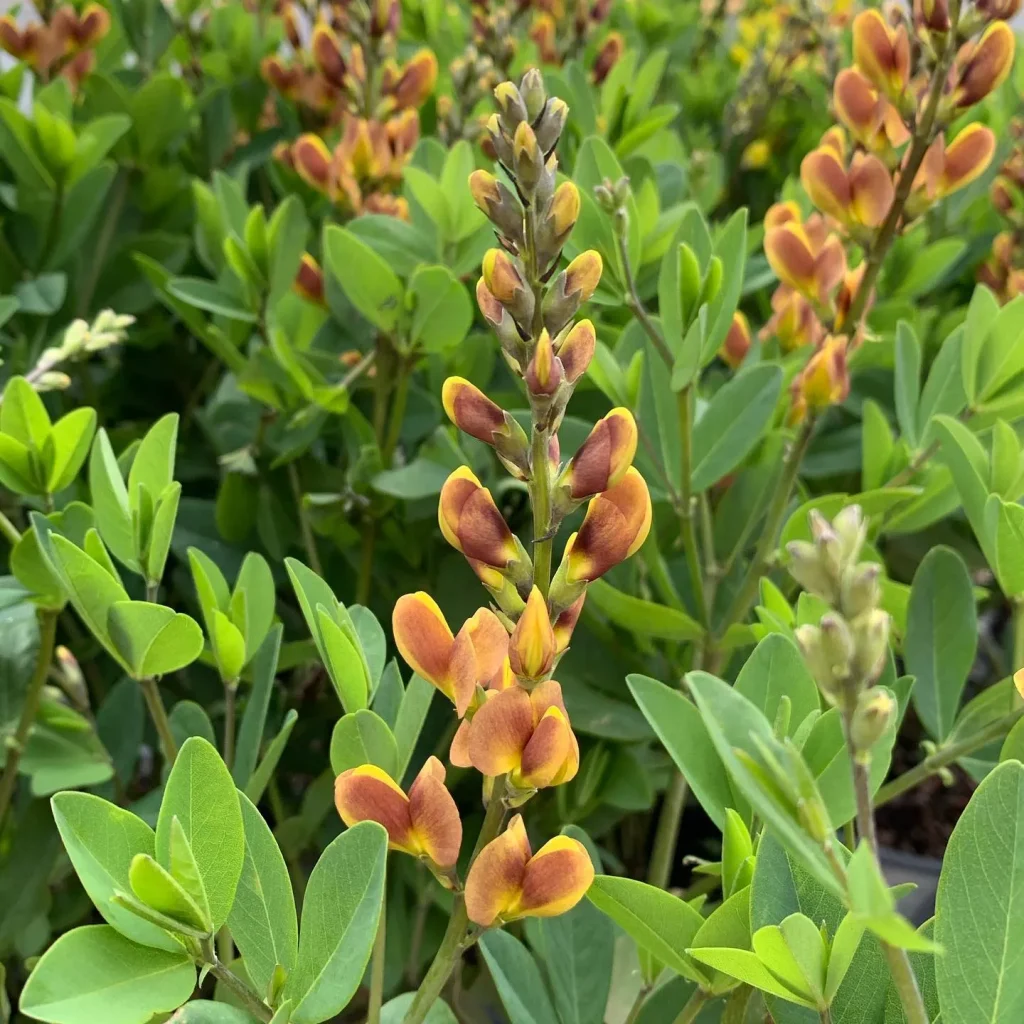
(517, 979)
(577, 950)
(341, 910)
(228, 646)
(412, 713)
(420, 478)
(731, 249)
(110, 501)
(101, 839)
(157, 888)
(775, 670)
(23, 415)
(1002, 356)
(202, 294)
(344, 663)
(660, 923)
(19, 150)
(907, 381)
(394, 1011)
(254, 719)
(153, 640)
(943, 392)
(442, 313)
(95, 974)
(67, 447)
(261, 777)
(728, 926)
(640, 617)
(370, 284)
(941, 639)
(204, 1011)
(153, 465)
(262, 921)
(42, 295)
(201, 794)
(733, 423)
(980, 906)
(363, 737)
(981, 314)
(745, 966)
(256, 581)
(685, 736)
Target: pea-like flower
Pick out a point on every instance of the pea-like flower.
(737, 341)
(806, 257)
(309, 280)
(882, 53)
(793, 322)
(824, 381)
(475, 414)
(508, 881)
(473, 525)
(615, 526)
(524, 736)
(983, 66)
(866, 113)
(532, 646)
(945, 169)
(571, 288)
(456, 665)
(603, 458)
(424, 824)
(856, 196)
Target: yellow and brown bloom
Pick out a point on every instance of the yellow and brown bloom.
(475, 414)
(498, 204)
(607, 56)
(984, 65)
(603, 458)
(414, 82)
(566, 623)
(945, 169)
(615, 526)
(532, 646)
(807, 258)
(737, 341)
(525, 736)
(424, 824)
(793, 322)
(866, 113)
(856, 197)
(881, 53)
(508, 881)
(823, 382)
(571, 288)
(309, 281)
(458, 664)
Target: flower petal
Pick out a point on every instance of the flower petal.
(500, 730)
(368, 793)
(495, 880)
(423, 639)
(434, 816)
(556, 878)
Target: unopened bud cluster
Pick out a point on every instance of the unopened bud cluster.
(846, 651)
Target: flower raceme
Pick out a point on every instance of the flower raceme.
(456, 665)
(425, 823)
(525, 736)
(508, 881)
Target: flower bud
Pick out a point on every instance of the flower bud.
(524, 736)
(818, 662)
(325, 49)
(544, 33)
(508, 881)
(576, 349)
(527, 158)
(827, 544)
(416, 81)
(608, 56)
(603, 458)
(475, 414)
(531, 649)
(544, 375)
(498, 141)
(384, 17)
(512, 109)
(312, 161)
(502, 323)
(737, 341)
(531, 88)
(985, 65)
(881, 53)
(72, 682)
(552, 123)
(566, 623)
(506, 283)
(805, 566)
(615, 526)
(850, 526)
(874, 712)
(557, 222)
(871, 643)
(570, 289)
(837, 645)
(1004, 10)
(309, 280)
(932, 15)
(424, 824)
(472, 524)
(823, 382)
(498, 204)
(862, 589)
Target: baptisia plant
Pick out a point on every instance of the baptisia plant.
(497, 669)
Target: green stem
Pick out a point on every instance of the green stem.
(663, 853)
(897, 959)
(947, 755)
(29, 710)
(635, 303)
(540, 493)
(377, 968)
(305, 528)
(397, 413)
(230, 693)
(748, 589)
(686, 523)
(1018, 633)
(688, 1014)
(158, 713)
(249, 999)
(456, 936)
(9, 531)
(638, 1003)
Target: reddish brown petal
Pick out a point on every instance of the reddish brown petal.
(871, 189)
(495, 881)
(824, 179)
(967, 157)
(368, 793)
(423, 639)
(577, 349)
(434, 816)
(531, 649)
(471, 410)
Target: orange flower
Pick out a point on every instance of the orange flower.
(793, 322)
(603, 458)
(475, 414)
(325, 49)
(424, 824)
(872, 120)
(525, 736)
(807, 258)
(615, 526)
(737, 342)
(508, 881)
(881, 53)
(607, 56)
(858, 197)
(566, 623)
(415, 81)
(456, 665)
(531, 649)
(984, 66)
(472, 524)
(824, 381)
(309, 281)
(945, 169)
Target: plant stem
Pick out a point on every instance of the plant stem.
(897, 959)
(1018, 633)
(454, 942)
(945, 756)
(641, 997)
(377, 967)
(540, 493)
(663, 853)
(748, 589)
(29, 710)
(158, 713)
(686, 510)
(905, 475)
(249, 999)
(308, 539)
(9, 531)
(635, 303)
(688, 1014)
(924, 131)
(230, 692)
(397, 413)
